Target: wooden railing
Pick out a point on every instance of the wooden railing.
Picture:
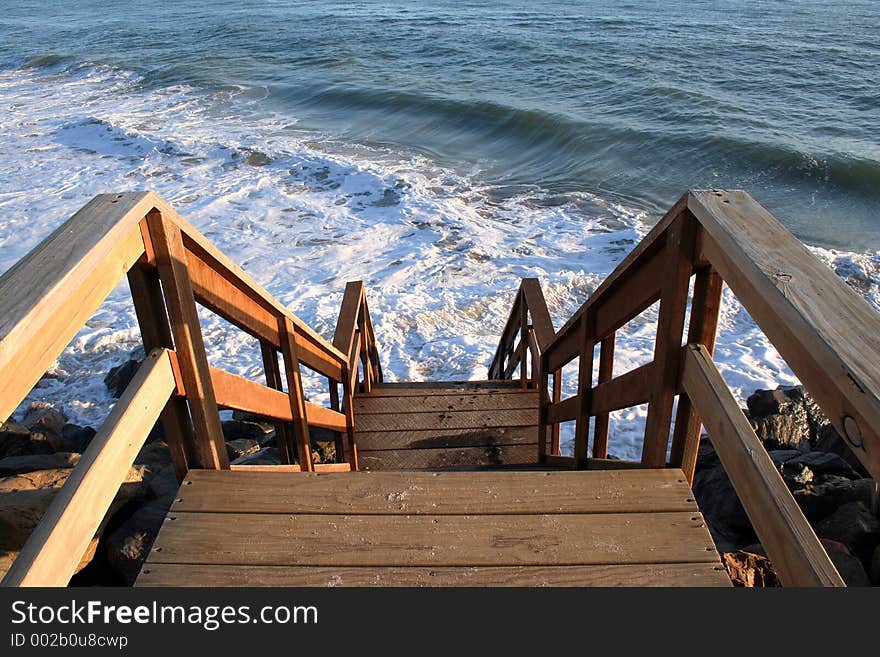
(50, 294)
(826, 332)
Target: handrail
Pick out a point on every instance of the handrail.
(527, 334)
(50, 294)
(826, 332)
(53, 550)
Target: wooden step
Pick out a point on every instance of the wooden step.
(442, 424)
(629, 527)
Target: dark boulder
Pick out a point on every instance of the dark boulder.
(14, 465)
(77, 437)
(823, 496)
(17, 440)
(722, 509)
(264, 456)
(850, 568)
(43, 417)
(129, 544)
(243, 429)
(241, 447)
(855, 526)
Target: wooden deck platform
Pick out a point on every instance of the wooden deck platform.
(437, 425)
(515, 528)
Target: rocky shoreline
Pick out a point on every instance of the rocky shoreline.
(838, 497)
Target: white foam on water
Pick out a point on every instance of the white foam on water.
(441, 256)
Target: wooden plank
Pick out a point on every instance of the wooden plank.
(436, 459)
(508, 336)
(613, 464)
(442, 387)
(685, 574)
(51, 292)
(297, 403)
(284, 467)
(437, 438)
(53, 551)
(209, 446)
(606, 372)
(455, 401)
(541, 321)
(283, 437)
(629, 389)
(564, 348)
(679, 260)
(240, 394)
(564, 411)
(631, 296)
(705, 308)
(149, 306)
(347, 322)
(797, 555)
(436, 493)
(825, 331)
(516, 360)
(426, 540)
(584, 389)
(447, 420)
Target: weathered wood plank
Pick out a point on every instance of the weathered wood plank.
(797, 555)
(408, 540)
(53, 551)
(702, 330)
(50, 293)
(684, 574)
(439, 438)
(347, 322)
(209, 446)
(606, 371)
(299, 414)
(679, 265)
(825, 331)
(447, 420)
(541, 321)
(437, 459)
(457, 401)
(442, 493)
(629, 389)
(564, 411)
(442, 387)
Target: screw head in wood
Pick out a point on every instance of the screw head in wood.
(852, 432)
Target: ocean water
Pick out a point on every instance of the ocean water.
(438, 151)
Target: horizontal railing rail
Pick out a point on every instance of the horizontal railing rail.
(50, 294)
(826, 332)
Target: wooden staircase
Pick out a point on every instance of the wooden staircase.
(441, 483)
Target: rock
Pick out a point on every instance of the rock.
(44, 417)
(875, 567)
(13, 465)
(821, 498)
(707, 457)
(241, 447)
(77, 437)
(849, 567)
(164, 485)
(16, 440)
(119, 377)
(785, 431)
(127, 546)
(796, 474)
(242, 429)
(154, 456)
(268, 426)
(54, 440)
(257, 159)
(749, 569)
(782, 456)
(855, 526)
(264, 456)
(830, 441)
(6, 559)
(823, 463)
(24, 499)
(724, 513)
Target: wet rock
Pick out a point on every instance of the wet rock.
(119, 377)
(264, 456)
(13, 465)
(749, 568)
(77, 437)
(43, 417)
(855, 526)
(257, 159)
(241, 447)
(128, 546)
(849, 567)
(823, 463)
(821, 498)
(16, 440)
(722, 509)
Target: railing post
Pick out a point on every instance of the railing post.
(702, 330)
(585, 389)
(679, 258)
(295, 392)
(523, 339)
(606, 368)
(273, 380)
(210, 447)
(351, 451)
(149, 307)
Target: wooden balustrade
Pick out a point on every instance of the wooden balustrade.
(827, 333)
(170, 267)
